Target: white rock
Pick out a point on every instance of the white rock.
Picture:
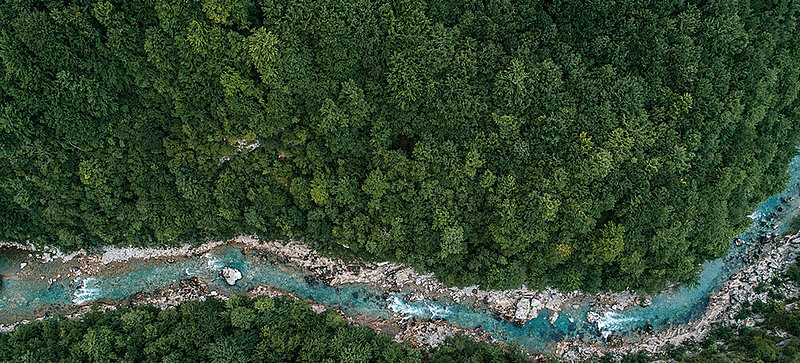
(554, 317)
(536, 305)
(231, 275)
(523, 309)
(592, 317)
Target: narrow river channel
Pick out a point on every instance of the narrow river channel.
(32, 289)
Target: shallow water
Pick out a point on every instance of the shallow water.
(27, 293)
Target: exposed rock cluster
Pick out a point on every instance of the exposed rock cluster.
(175, 294)
(517, 305)
(767, 261)
(230, 275)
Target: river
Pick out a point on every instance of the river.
(32, 288)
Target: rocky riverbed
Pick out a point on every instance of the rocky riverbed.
(765, 262)
(518, 305)
(420, 333)
(390, 277)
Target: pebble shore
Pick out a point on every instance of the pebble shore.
(517, 305)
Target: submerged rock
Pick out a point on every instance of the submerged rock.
(231, 275)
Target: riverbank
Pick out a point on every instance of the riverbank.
(767, 262)
(517, 305)
(421, 333)
(407, 286)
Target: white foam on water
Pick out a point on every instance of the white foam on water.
(212, 263)
(611, 321)
(85, 293)
(399, 306)
(409, 311)
(437, 311)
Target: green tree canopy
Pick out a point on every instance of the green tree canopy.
(584, 144)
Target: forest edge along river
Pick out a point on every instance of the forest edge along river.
(396, 300)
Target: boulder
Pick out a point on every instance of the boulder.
(231, 275)
(592, 317)
(523, 309)
(554, 317)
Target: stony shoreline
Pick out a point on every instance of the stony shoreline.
(770, 260)
(421, 334)
(386, 276)
(517, 305)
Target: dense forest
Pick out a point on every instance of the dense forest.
(239, 330)
(580, 144)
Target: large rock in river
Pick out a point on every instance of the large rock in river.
(526, 309)
(231, 275)
(523, 308)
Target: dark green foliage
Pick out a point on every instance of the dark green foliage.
(741, 345)
(793, 227)
(632, 358)
(490, 142)
(793, 273)
(210, 331)
(462, 349)
(239, 330)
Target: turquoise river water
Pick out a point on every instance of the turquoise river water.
(27, 295)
